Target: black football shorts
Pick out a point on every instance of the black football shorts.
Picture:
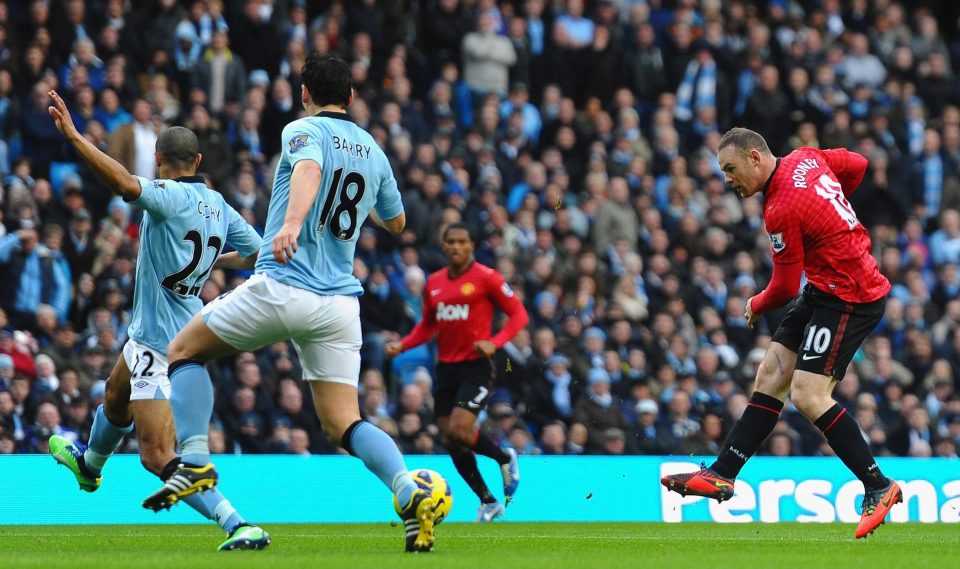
(463, 384)
(825, 332)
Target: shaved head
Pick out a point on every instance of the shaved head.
(178, 146)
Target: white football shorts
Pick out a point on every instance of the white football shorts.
(325, 330)
(148, 372)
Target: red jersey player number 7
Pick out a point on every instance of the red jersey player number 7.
(812, 228)
(459, 303)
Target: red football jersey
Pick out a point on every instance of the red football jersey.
(813, 227)
(460, 312)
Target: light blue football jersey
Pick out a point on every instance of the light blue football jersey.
(184, 228)
(355, 178)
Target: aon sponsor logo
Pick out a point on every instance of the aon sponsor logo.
(453, 311)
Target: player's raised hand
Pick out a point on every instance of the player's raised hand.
(750, 316)
(485, 348)
(394, 349)
(61, 116)
(285, 243)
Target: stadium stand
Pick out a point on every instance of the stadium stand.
(576, 138)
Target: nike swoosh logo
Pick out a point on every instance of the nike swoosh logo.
(887, 503)
(722, 484)
(807, 357)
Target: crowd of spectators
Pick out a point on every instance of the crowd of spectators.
(577, 139)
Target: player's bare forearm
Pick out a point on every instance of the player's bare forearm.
(233, 260)
(394, 226)
(113, 174)
(304, 186)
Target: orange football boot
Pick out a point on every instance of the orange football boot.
(705, 482)
(876, 505)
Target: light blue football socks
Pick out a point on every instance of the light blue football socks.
(191, 397)
(212, 505)
(105, 437)
(380, 455)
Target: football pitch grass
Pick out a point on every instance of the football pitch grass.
(495, 546)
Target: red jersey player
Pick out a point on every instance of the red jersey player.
(459, 302)
(812, 228)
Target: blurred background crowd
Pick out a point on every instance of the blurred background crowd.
(577, 139)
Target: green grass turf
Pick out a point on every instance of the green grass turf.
(593, 545)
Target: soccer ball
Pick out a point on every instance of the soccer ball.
(435, 484)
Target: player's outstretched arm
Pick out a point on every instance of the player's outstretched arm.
(114, 175)
(233, 260)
